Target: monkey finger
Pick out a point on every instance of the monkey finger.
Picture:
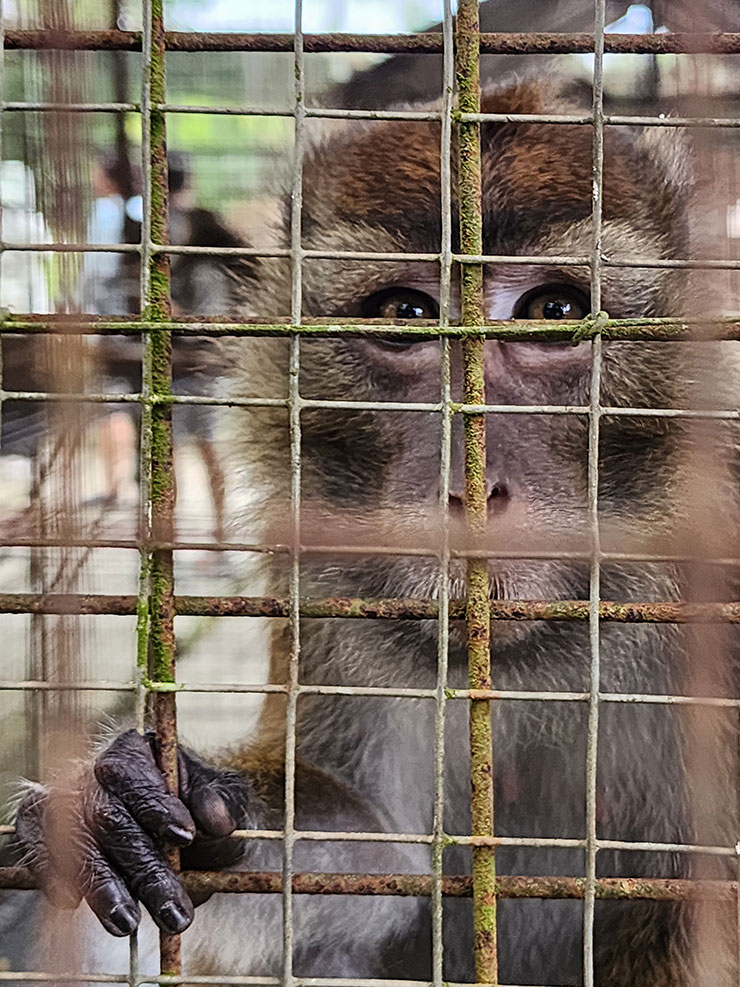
(29, 827)
(135, 857)
(127, 769)
(217, 800)
(107, 895)
(31, 823)
(211, 853)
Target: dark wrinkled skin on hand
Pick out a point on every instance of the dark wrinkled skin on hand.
(105, 841)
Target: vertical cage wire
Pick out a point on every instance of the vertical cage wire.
(445, 284)
(294, 409)
(133, 959)
(477, 609)
(592, 739)
(157, 572)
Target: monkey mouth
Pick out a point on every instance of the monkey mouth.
(500, 584)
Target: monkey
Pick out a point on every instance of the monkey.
(366, 763)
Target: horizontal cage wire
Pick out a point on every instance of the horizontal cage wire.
(157, 604)
(490, 43)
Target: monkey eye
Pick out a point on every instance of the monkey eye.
(552, 302)
(399, 303)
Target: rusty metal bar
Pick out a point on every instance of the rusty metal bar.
(432, 43)
(421, 885)
(462, 886)
(392, 608)
(477, 611)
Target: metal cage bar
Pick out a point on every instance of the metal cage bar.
(477, 612)
(592, 741)
(157, 645)
(709, 264)
(647, 329)
(328, 113)
(294, 410)
(440, 695)
(377, 608)
(423, 43)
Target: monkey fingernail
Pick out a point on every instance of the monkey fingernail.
(179, 835)
(174, 917)
(122, 920)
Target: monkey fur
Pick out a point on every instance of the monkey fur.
(366, 763)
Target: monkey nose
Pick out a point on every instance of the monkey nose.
(498, 498)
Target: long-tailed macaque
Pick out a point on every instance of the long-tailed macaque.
(366, 763)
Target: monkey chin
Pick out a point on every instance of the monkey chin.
(515, 580)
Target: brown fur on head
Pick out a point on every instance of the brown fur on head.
(388, 175)
(376, 187)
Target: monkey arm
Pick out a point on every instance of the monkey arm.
(104, 840)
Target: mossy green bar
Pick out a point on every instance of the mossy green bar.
(477, 611)
(157, 375)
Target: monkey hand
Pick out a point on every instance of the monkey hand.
(105, 840)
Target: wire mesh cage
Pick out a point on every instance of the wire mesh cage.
(155, 347)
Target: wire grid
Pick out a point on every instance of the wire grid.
(156, 603)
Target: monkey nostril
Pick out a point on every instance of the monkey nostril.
(456, 503)
(498, 496)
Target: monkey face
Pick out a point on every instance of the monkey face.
(376, 188)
